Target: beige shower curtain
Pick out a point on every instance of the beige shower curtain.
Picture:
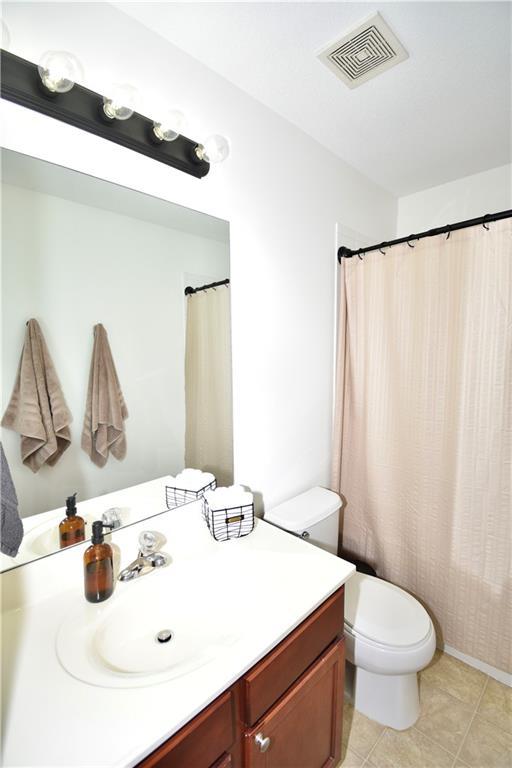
(209, 419)
(423, 428)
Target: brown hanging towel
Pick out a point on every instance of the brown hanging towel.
(105, 409)
(37, 409)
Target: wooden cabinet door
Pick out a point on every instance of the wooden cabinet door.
(304, 727)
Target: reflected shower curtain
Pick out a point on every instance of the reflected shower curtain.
(423, 428)
(208, 401)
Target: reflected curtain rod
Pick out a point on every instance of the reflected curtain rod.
(347, 253)
(189, 289)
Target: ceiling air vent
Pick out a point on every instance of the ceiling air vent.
(364, 52)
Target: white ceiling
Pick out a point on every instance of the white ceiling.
(443, 114)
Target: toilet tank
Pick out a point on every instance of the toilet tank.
(313, 515)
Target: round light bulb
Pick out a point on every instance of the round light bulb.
(171, 125)
(6, 37)
(59, 71)
(121, 102)
(214, 149)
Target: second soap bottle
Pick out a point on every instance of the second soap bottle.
(98, 566)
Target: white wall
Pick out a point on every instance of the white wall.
(76, 265)
(467, 198)
(282, 194)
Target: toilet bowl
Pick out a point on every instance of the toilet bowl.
(389, 636)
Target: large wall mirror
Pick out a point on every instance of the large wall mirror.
(78, 251)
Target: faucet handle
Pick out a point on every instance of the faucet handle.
(147, 543)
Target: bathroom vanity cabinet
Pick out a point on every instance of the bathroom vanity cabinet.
(285, 711)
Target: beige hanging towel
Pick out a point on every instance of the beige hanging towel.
(37, 409)
(105, 409)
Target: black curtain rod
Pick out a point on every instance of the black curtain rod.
(347, 253)
(189, 289)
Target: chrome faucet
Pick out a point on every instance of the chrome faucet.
(112, 518)
(147, 559)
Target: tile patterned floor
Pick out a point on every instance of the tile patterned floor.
(465, 722)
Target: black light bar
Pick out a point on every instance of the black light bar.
(21, 83)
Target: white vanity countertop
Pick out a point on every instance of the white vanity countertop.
(53, 719)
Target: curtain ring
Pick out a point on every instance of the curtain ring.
(485, 226)
(448, 235)
(410, 246)
(359, 257)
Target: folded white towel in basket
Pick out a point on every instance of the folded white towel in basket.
(193, 480)
(228, 498)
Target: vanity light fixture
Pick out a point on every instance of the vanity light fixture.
(22, 84)
(59, 71)
(121, 102)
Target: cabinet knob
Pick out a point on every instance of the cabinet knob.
(262, 741)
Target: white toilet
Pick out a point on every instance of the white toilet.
(389, 636)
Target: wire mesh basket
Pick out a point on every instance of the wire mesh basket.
(231, 523)
(176, 497)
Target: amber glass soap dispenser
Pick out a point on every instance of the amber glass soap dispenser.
(98, 567)
(72, 528)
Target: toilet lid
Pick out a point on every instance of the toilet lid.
(384, 613)
(304, 510)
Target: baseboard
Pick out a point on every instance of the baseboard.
(498, 674)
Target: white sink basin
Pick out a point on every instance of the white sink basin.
(206, 604)
(127, 640)
(115, 644)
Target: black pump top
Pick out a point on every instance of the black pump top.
(97, 532)
(71, 505)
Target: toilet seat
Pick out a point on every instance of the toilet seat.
(384, 614)
(387, 631)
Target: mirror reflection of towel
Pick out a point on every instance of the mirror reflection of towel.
(37, 409)
(105, 409)
(11, 527)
